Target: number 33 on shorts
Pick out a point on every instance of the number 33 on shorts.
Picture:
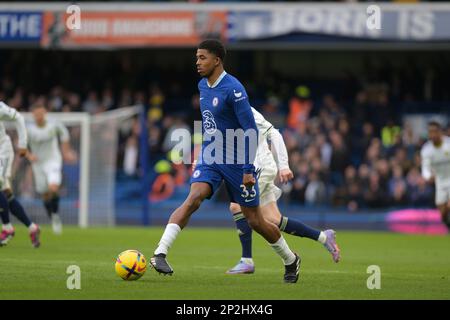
(248, 196)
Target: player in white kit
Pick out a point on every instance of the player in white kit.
(269, 163)
(8, 203)
(46, 160)
(435, 156)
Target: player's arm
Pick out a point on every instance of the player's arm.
(66, 150)
(243, 111)
(280, 154)
(427, 172)
(10, 114)
(278, 148)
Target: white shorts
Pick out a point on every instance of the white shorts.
(6, 162)
(442, 194)
(45, 174)
(268, 191)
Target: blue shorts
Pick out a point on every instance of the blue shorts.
(213, 174)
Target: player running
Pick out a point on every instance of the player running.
(268, 164)
(435, 156)
(7, 200)
(224, 105)
(46, 160)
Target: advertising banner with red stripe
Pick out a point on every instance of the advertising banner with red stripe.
(133, 29)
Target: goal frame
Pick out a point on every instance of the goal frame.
(85, 121)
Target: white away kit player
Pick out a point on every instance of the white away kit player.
(8, 203)
(269, 163)
(435, 156)
(46, 160)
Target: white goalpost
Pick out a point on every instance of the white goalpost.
(88, 187)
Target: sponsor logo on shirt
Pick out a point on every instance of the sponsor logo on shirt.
(208, 122)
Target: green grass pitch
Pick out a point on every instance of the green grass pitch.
(412, 267)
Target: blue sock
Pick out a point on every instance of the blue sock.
(298, 228)
(17, 210)
(245, 234)
(4, 209)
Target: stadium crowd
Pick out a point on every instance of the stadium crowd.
(338, 157)
(353, 152)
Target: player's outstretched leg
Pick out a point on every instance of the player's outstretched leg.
(178, 220)
(272, 234)
(298, 228)
(291, 226)
(245, 264)
(7, 229)
(18, 211)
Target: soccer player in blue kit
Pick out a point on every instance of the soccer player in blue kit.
(224, 106)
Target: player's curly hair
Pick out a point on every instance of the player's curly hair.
(214, 46)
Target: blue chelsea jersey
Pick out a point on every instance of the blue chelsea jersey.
(225, 105)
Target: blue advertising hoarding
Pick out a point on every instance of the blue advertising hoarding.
(20, 26)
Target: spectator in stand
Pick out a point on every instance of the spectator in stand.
(383, 170)
(344, 130)
(55, 102)
(325, 150)
(398, 187)
(74, 102)
(375, 195)
(91, 104)
(271, 110)
(346, 151)
(332, 108)
(125, 98)
(195, 113)
(339, 158)
(300, 137)
(362, 143)
(108, 101)
(352, 190)
(300, 182)
(299, 108)
(420, 192)
(315, 192)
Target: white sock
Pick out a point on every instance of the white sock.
(32, 227)
(248, 261)
(7, 227)
(322, 237)
(282, 249)
(168, 238)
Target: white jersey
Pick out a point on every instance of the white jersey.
(9, 114)
(43, 141)
(436, 162)
(264, 157)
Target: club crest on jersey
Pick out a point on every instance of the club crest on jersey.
(208, 122)
(196, 173)
(215, 101)
(237, 94)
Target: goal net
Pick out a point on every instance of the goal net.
(88, 191)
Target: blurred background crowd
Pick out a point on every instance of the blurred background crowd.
(348, 144)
